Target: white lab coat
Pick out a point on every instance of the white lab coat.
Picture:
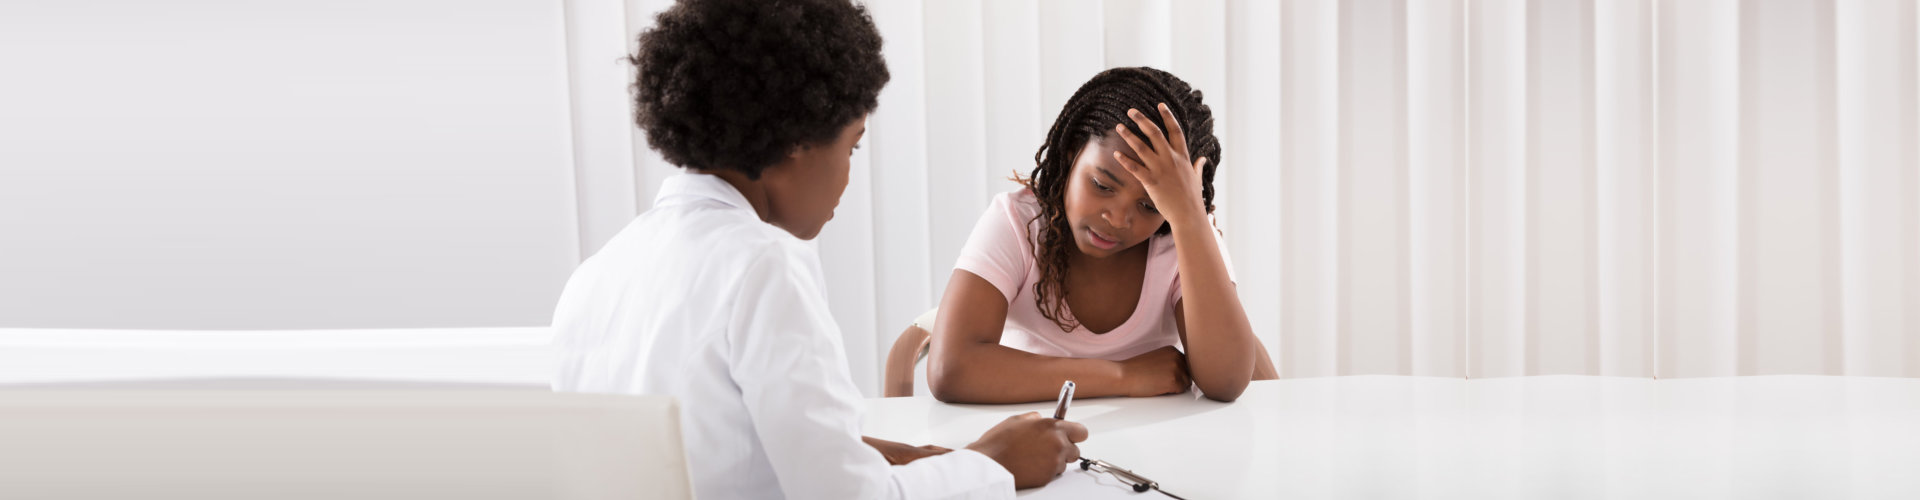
(701, 300)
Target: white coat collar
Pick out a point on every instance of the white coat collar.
(701, 186)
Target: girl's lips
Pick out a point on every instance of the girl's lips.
(1100, 241)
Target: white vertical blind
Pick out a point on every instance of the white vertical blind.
(898, 135)
(1697, 91)
(1469, 188)
(1496, 163)
(1436, 163)
(1624, 186)
(1245, 115)
(1562, 274)
(1789, 226)
(1879, 187)
(1308, 190)
(1372, 327)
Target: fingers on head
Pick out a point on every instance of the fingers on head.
(1173, 124)
(1138, 145)
(1155, 136)
(1146, 124)
(1125, 162)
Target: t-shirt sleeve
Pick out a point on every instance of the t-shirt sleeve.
(1225, 258)
(1000, 249)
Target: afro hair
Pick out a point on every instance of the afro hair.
(738, 84)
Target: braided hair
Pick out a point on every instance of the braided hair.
(1088, 116)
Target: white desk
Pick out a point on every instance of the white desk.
(1557, 437)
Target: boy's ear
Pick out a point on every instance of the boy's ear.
(795, 156)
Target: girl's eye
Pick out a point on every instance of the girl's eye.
(1103, 187)
(1149, 208)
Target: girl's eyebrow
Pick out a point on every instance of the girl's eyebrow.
(1116, 179)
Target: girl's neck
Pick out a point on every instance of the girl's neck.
(1132, 257)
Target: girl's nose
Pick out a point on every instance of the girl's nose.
(1118, 222)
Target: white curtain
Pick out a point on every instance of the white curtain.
(1454, 188)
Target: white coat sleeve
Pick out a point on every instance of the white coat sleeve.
(806, 412)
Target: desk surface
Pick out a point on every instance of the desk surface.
(1562, 437)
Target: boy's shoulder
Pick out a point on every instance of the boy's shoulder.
(744, 235)
(752, 239)
(718, 220)
(708, 232)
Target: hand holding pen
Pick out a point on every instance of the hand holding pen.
(1034, 448)
(1138, 482)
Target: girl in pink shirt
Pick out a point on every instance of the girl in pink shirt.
(1083, 273)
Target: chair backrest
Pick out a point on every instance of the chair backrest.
(902, 376)
(324, 443)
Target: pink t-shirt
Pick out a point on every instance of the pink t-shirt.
(1001, 252)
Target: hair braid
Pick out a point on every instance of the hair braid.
(1092, 111)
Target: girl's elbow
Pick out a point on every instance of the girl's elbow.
(943, 381)
(1224, 395)
(942, 390)
(1224, 391)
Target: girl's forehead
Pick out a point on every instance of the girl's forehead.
(1099, 151)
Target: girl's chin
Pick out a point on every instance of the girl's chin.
(1094, 251)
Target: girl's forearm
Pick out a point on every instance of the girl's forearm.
(1220, 342)
(991, 373)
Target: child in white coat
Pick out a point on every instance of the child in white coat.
(712, 296)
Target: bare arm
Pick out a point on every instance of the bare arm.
(967, 364)
(1220, 343)
(1225, 355)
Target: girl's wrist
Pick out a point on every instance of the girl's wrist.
(1192, 220)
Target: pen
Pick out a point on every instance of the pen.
(1066, 399)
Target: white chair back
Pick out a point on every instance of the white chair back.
(226, 443)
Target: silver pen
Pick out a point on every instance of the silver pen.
(1066, 399)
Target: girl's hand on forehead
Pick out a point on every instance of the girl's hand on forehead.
(1171, 178)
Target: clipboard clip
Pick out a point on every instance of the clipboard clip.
(1139, 483)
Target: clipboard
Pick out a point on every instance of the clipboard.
(1095, 479)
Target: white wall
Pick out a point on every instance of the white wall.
(1453, 188)
(214, 164)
